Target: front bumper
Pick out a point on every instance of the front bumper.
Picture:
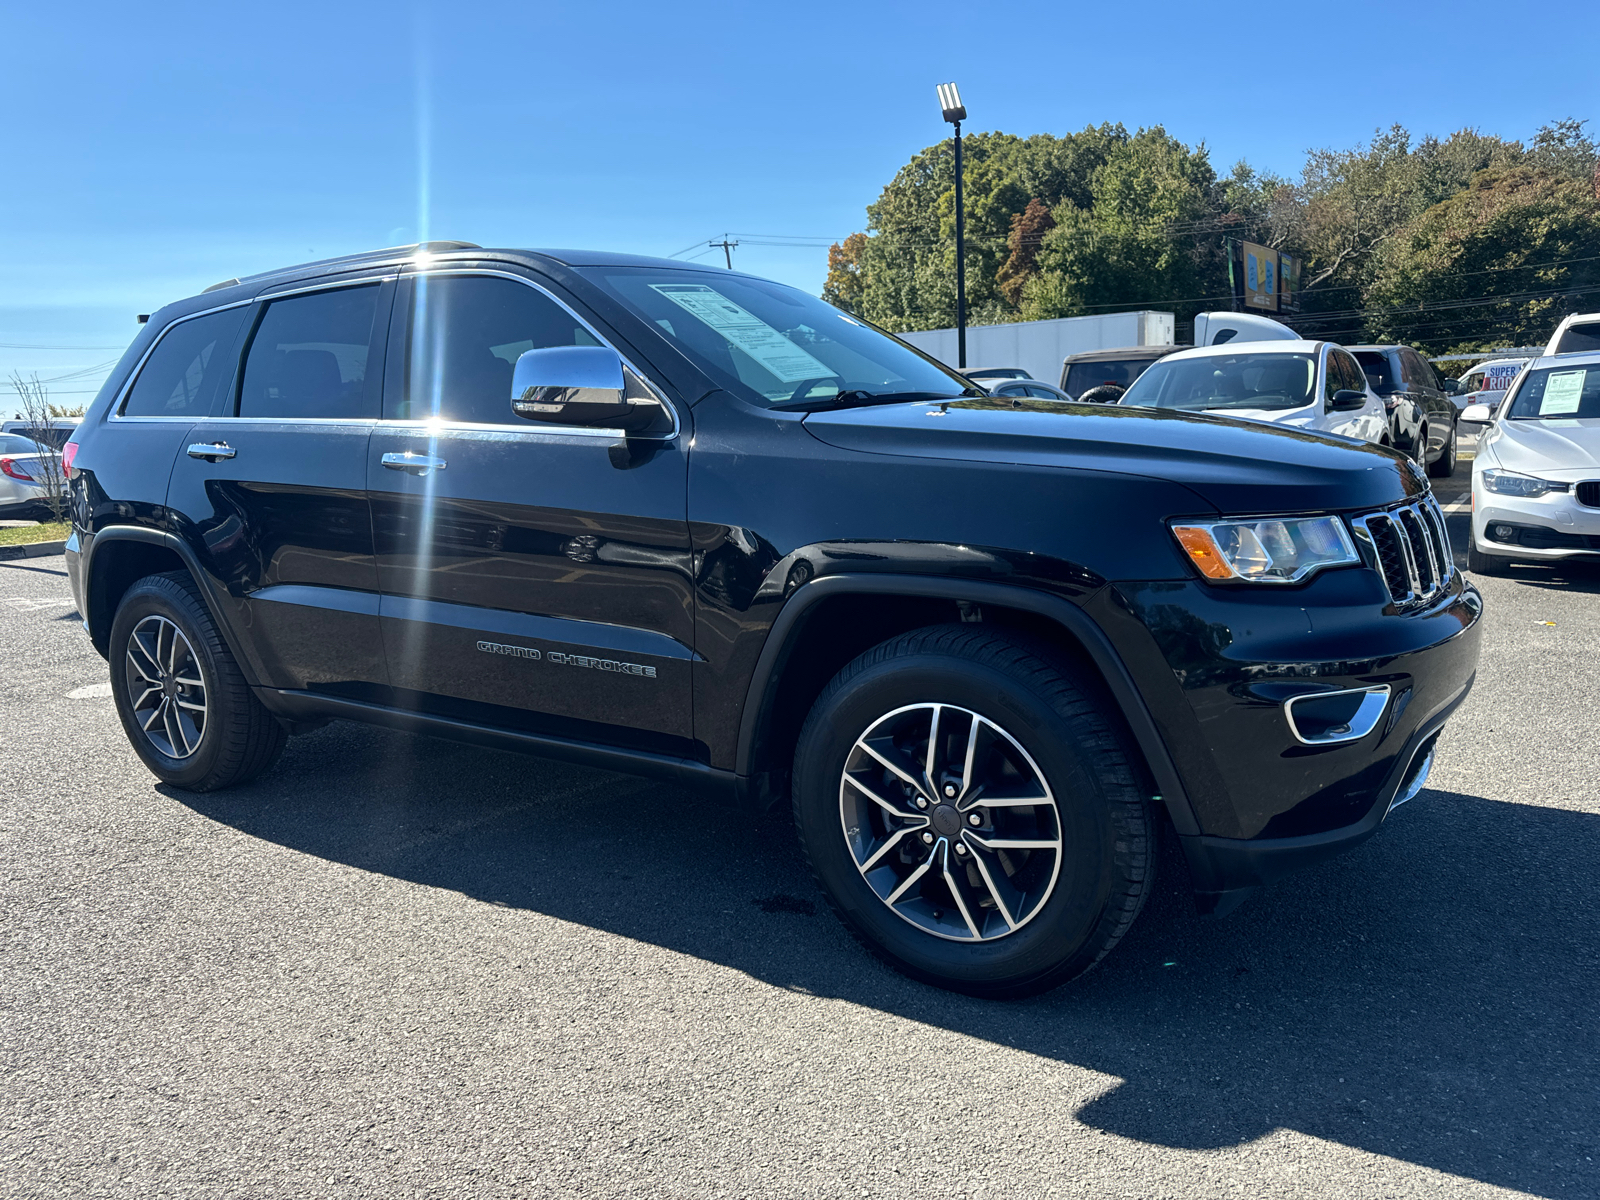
(1549, 527)
(1218, 667)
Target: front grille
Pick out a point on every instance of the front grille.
(1409, 547)
(1589, 493)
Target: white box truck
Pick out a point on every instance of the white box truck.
(1040, 347)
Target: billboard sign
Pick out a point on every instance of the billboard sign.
(1288, 283)
(1260, 277)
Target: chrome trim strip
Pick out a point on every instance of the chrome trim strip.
(1365, 719)
(327, 285)
(426, 428)
(563, 631)
(1417, 776)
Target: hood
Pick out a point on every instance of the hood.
(1550, 448)
(1237, 466)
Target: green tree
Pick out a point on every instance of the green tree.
(1133, 244)
(1503, 260)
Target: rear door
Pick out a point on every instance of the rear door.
(533, 576)
(270, 490)
(1423, 384)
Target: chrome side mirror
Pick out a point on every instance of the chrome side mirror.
(570, 385)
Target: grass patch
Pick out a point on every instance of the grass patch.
(26, 535)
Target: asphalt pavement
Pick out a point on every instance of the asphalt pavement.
(401, 967)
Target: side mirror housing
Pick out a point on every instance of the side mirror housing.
(582, 385)
(1348, 400)
(1477, 413)
(1453, 386)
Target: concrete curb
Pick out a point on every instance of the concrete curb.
(35, 550)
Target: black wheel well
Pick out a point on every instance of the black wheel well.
(114, 567)
(835, 630)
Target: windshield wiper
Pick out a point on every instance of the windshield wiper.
(856, 398)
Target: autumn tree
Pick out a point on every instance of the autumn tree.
(845, 285)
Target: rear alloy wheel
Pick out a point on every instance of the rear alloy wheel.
(183, 701)
(971, 814)
(1445, 465)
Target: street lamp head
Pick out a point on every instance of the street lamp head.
(950, 102)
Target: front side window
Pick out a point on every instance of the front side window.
(1227, 381)
(773, 344)
(190, 362)
(1567, 393)
(309, 357)
(465, 335)
(1350, 376)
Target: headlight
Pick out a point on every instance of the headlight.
(1509, 483)
(1282, 550)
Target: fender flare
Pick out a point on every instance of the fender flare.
(759, 694)
(202, 579)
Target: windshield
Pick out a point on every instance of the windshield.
(1569, 392)
(1215, 381)
(1120, 371)
(15, 443)
(771, 343)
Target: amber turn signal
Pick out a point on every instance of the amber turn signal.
(1203, 552)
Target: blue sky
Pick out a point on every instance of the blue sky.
(154, 149)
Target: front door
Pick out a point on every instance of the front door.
(533, 576)
(273, 489)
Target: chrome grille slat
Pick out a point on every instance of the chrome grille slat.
(1410, 548)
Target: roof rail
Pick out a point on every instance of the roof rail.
(226, 283)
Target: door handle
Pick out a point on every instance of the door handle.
(416, 464)
(212, 451)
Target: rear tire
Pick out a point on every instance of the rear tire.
(1445, 465)
(981, 918)
(183, 701)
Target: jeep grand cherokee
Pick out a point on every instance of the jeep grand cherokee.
(696, 525)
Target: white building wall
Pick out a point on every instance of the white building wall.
(1039, 347)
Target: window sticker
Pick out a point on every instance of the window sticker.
(1563, 391)
(776, 353)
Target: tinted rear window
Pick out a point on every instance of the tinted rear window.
(1378, 370)
(1580, 339)
(1083, 376)
(309, 357)
(183, 372)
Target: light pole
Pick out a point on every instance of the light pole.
(955, 113)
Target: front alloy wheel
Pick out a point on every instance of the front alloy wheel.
(970, 811)
(165, 686)
(950, 822)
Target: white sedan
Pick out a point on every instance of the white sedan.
(1536, 475)
(23, 464)
(1313, 386)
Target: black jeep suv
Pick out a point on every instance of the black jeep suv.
(696, 525)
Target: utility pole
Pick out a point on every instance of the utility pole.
(727, 249)
(955, 112)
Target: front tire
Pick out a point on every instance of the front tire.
(1480, 563)
(183, 701)
(909, 786)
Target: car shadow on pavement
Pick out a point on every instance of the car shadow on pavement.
(1429, 996)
